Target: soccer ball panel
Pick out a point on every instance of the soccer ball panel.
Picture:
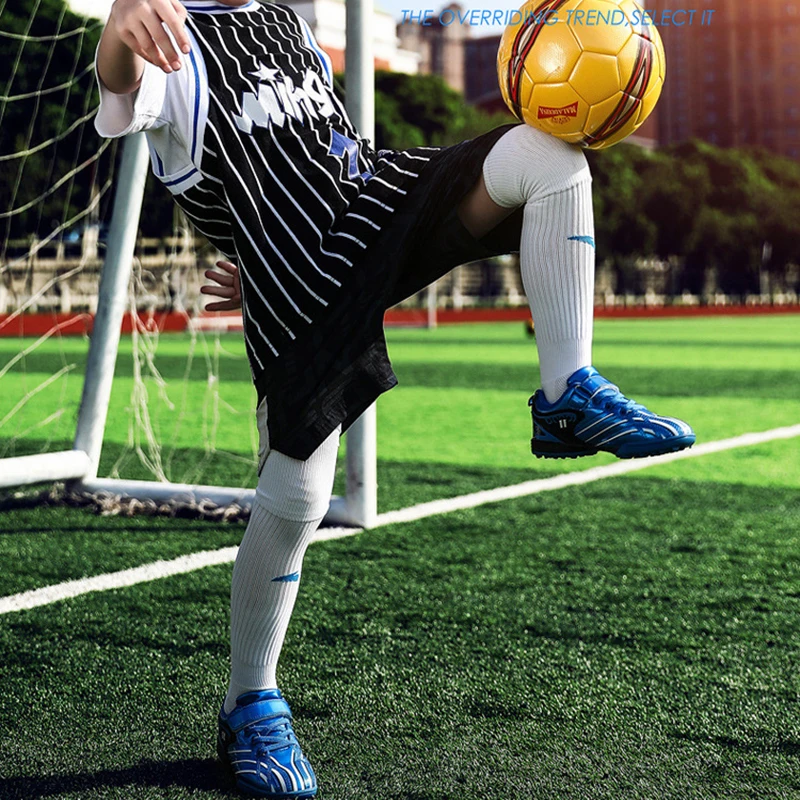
(525, 89)
(602, 27)
(600, 119)
(595, 77)
(638, 66)
(637, 20)
(649, 101)
(555, 58)
(610, 141)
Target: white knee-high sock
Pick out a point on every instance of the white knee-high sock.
(291, 499)
(557, 255)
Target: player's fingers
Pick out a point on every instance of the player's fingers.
(156, 30)
(232, 269)
(219, 277)
(146, 47)
(217, 291)
(227, 305)
(133, 43)
(174, 15)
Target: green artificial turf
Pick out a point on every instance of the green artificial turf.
(634, 638)
(462, 398)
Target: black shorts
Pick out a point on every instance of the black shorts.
(342, 366)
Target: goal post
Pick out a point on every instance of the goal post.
(362, 477)
(79, 466)
(111, 302)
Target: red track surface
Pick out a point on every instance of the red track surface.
(81, 324)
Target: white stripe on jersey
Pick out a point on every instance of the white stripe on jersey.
(261, 333)
(299, 207)
(403, 171)
(362, 218)
(288, 230)
(378, 202)
(323, 56)
(237, 61)
(389, 185)
(275, 38)
(276, 189)
(274, 277)
(257, 249)
(280, 28)
(206, 206)
(351, 237)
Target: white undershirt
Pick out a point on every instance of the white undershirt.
(165, 106)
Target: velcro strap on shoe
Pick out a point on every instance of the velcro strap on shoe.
(242, 716)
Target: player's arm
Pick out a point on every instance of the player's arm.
(228, 287)
(134, 34)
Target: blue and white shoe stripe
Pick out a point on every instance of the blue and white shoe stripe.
(259, 744)
(593, 415)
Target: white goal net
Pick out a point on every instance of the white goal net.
(164, 411)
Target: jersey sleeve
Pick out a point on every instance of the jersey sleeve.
(171, 109)
(144, 109)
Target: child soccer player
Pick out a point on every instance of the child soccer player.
(323, 234)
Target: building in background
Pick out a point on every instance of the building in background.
(733, 82)
(441, 48)
(480, 73)
(327, 19)
(736, 81)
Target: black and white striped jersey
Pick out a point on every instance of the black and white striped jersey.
(257, 149)
(253, 143)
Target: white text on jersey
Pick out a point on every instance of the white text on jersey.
(278, 98)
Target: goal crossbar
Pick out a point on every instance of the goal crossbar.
(66, 465)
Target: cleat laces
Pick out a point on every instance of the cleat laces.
(270, 734)
(609, 398)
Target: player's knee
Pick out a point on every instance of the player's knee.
(526, 165)
(299, 490)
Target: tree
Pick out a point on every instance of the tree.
(728, 231)
(417, 110)
(46, 75)
(624, 232)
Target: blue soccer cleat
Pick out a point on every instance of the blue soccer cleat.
(592, 415)
(257, 742)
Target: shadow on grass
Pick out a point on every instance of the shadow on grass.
(193, 774)
(787, 747)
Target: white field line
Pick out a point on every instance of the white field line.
(143, 574)
(578, 478)
(195, 561)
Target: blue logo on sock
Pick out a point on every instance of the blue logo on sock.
(294, 576)
(585, 239)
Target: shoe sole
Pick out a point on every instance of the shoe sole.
(552, 450)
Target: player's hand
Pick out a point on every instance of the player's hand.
(140, 25)
(228, 287)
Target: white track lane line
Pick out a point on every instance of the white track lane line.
(179, 566)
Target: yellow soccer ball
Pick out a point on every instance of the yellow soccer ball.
(587, 71)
